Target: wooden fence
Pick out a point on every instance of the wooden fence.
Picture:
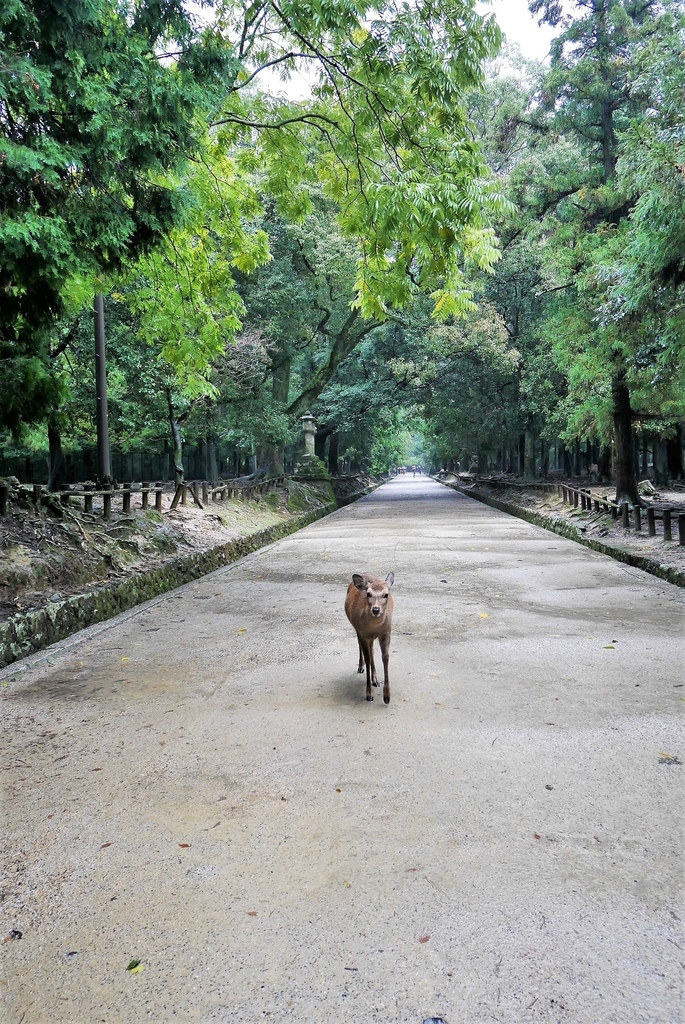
(201, 492)
(583, 498)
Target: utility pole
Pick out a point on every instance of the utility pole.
(104, 464)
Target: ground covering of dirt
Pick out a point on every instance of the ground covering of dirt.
(599, 526)
(55, 552)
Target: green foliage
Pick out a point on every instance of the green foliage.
(93, 121)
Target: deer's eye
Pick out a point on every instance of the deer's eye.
(385, 597)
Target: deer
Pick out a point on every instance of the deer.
(368, 606)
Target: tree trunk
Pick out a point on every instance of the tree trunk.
(604, 463)
(270, 462)
(530, 444)
(565, 460)
(211, 469)
(576, 458)
(271, 456)
(56, 478)
(660, 463)
(333, 449)
(522, 454)
(626, 480)
(644, 465)
(674, 455)
(177, 440)
(544, 459)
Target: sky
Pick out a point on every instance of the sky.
(519, 26)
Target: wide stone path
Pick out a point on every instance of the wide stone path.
(201, 786)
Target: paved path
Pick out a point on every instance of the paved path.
(200, 785)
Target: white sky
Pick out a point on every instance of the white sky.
(519, 26)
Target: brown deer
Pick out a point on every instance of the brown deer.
(368, 606)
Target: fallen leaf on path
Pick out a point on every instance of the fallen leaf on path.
(135, 967)
(252, 913)
(125, 659)
(105, 845)
(669, 759)
(241, 631)
(96, 769)
(609, 647)
(536, 836)
(424, 938)
(185, 846)
(484, 615)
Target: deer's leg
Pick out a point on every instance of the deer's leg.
(385, 651)
(361, 655)
(365, 647)
(374, 677)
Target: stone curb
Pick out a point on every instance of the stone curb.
(650, 565)
(25, 634)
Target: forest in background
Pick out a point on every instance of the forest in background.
(446, 253)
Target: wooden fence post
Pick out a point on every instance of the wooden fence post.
(145, 485)
(681, 529)
(36, 495)
(158, 496)
(4, 499)
(651, 524)
(637, 519)
(667, 524)
(126, 502)
(107, 505)
(88, 498)
(205, 492)
(625, 516)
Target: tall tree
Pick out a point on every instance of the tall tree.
(587, 93)
(93, 119)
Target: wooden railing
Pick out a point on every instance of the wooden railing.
(588, 502)
(201, 491)
(223, 491)
(39, 495)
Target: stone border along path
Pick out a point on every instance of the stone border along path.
(571, 532)
(201, 787)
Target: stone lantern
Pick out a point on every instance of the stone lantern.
(309, 427)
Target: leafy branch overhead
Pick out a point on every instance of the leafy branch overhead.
(385, 131)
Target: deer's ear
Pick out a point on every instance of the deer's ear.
(358, 581)
(390, 578)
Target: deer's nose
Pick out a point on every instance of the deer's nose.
(376, 610)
